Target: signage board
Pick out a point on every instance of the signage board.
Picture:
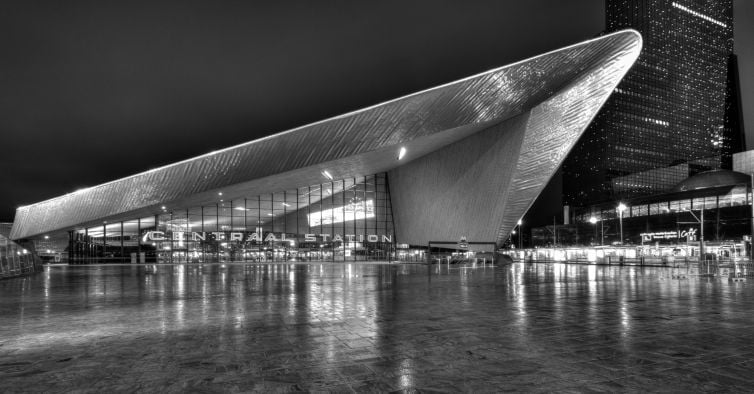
(354, 211)
(257, 237)
(463, 243)
(689, 234)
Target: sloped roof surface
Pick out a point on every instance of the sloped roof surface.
(354, 144)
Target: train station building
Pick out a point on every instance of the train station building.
(461, 160)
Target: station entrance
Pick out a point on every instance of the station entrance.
(462, 251)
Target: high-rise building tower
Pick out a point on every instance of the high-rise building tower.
(733, 130)
(667, 118)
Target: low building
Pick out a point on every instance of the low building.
(714, 206)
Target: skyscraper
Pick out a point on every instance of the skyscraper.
(667, 118)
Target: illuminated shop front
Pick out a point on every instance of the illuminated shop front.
(343, 220)
(720, 199)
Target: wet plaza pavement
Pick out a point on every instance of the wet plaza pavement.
(374, 327)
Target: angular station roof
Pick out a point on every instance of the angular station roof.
(355, 144)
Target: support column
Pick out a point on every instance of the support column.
(104, 242)
(71, 246)
(156, 227)
(285, 225)
(172, 242)
(138, 241)
(230, 241)
(122, 248)
(245, 231)
(186, 239)
(751, 219)
(218, 242)
(87, 245)
(701, 244)
(203, 242)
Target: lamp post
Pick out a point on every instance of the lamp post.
(621, 207)
(751, 240)
(520, 234)
(700, 219)
(593, 220)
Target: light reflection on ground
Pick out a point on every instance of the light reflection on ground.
(378, 327)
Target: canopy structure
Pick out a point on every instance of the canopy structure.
(476, 152)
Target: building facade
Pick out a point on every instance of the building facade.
(667, 119)
(16, 260)
(714, 207)
(464, 160)
(349, 219)
(707, 214)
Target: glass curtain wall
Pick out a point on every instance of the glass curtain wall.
(342, 220)
(15, 260)
(728, 218)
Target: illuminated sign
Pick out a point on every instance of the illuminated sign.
(463, 243)
(257, 237)
(354, 211)
(689, 234)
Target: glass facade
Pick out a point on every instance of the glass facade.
(342, 220)
(736, 197)
(669, 219)
(669, 112)
(15, 260)
(734, 140)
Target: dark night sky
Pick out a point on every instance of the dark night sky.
(93, 91)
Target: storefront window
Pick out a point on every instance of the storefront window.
(724, 201)
(738, 196)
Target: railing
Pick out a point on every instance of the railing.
(446, 259)
(655, 261)
(681, 266)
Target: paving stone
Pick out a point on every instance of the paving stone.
(373, 328)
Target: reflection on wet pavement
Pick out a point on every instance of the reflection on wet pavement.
(373, 327)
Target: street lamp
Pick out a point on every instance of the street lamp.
(593, 220)
(621, 207)
(520, 234)
(699, 219)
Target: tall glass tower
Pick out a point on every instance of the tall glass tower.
(667, 118)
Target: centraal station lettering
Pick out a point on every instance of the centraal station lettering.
(257, 237)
